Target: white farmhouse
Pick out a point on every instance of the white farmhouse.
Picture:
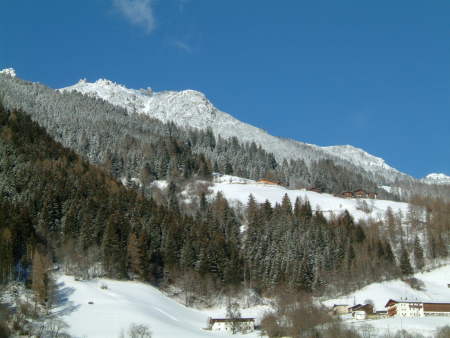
(407, 308)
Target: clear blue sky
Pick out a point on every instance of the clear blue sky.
(374, 74)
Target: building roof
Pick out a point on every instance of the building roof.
(263, 180)
(230, 320)
(355, 306)
(395, 301)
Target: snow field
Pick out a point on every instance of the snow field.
(238, 189)
(126, 302)
(435, 290)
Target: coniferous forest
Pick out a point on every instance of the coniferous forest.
(57, 208)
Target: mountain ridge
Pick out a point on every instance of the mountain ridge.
(436, 178)
(190, 108)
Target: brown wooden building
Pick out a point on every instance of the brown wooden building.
(372, 195)
(347, 194)
(367, 308)
(436, 307)
(360, 193)
(318, 190)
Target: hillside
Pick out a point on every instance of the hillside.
(238, 189)
(134, 302)
(123, 303)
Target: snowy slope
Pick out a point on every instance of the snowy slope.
(238, 189)
(358, 157)
(123, 303)
(435, 290)
(436, 179)
(190, 108)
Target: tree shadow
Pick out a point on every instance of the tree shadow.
(62, 302)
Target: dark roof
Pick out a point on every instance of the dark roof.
(228, 320)
(414, 301)
(355, 306)
(368, 307)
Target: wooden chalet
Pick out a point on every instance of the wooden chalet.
(372, 195)
(346, 194)
(367, 308)
(360, 193)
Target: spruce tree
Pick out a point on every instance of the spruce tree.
(405, 265)
(418, 254)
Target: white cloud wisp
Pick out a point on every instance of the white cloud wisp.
(137, 12)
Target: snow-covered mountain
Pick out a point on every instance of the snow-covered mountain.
(436, 179)
(359, 157)
(8, 71)
(190, 108)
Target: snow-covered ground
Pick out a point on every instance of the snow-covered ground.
(126, 302)
(239, 189)
(435, 290)
(426, 326)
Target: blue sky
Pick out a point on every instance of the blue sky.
(374, 74)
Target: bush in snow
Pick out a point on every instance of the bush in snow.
(443, 332)
(137, 331)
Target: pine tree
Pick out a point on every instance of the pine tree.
(405, 265)
(113, 257)
(40, 276)
(418, 254)
(134, 255)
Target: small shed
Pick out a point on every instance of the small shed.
(340, 309)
